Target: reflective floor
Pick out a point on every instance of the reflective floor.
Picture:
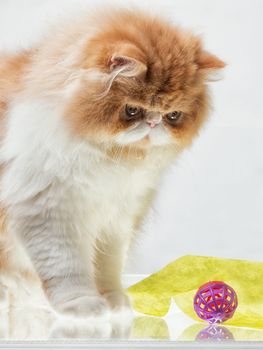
(25, 315)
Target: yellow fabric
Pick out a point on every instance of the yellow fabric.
(182, 278)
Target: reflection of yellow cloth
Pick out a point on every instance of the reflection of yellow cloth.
(182, 278)
(146, 327)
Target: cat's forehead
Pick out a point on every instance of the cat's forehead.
(152, 97)
(159, 101)
(166, 85)
(155, 102)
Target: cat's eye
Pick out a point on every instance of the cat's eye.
(132, 112)
(174, 117)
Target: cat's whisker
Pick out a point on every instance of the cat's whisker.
(121, 153)
(129, 150)
(117, 153)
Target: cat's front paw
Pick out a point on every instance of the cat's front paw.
(85, 306)
(118, 301)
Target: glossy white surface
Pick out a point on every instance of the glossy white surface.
(26, 317)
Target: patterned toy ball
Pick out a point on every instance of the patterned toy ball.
(215, 302)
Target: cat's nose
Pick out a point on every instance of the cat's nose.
(153, 119)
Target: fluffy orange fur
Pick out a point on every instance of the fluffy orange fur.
(11, 73)
(174, 78)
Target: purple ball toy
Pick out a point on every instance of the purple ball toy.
(215, 302)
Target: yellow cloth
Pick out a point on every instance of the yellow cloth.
(181, 279)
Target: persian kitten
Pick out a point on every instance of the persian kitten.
(90, 119)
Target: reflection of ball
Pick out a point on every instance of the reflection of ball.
(214, 333)
(215, 302)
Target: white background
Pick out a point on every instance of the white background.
(211, 201)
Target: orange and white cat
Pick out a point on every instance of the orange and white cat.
(90, 118)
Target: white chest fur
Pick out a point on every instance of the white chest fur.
(65, 197)
(73, 178)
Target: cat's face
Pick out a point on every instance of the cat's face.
(148, 125)
(146, 84)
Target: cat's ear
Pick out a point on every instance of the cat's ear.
(211, 65)
(126, 66)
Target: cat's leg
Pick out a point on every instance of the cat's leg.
(52, 236)
(4, 311)
(111, 253)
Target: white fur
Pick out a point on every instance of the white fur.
(158, 135)
(62, 195)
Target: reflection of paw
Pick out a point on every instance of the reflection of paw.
(121, 325)
(85, 306)
(81, 329)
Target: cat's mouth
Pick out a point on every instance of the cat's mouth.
(143, 132)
